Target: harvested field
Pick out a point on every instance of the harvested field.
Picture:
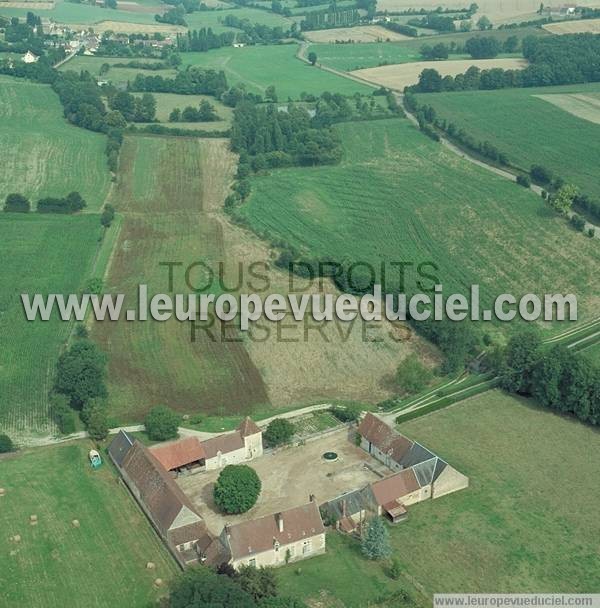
(582, 106)
(164, 186)
(32, 6)
(124, 27)
(403, 75)
(574, 27)
(366, 33)
(135, 7)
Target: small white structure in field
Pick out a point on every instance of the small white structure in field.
(29, 57)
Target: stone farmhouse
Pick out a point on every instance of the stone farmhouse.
(149, 474)
(192, 455)
(276, 539)
(418, 473)
(170, 511)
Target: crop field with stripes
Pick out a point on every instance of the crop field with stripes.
(399, 197)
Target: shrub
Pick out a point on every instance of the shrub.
(591, 232)
(279, 431)
(395, 569)
(162, 423)
(17, 203)
(577, 222)
(260, 583)
(237, 489)
(6, 444)
(376, 541)
(62, 414)
(97, 423)
(350, 413)
(412, 376)
(524, 181)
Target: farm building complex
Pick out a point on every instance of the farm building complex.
(406, 473)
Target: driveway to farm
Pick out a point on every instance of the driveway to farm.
(289, 476)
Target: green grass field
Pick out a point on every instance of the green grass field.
(56, 564)
(399, 197)
(70, 12)
(531, 503)
(43, 154)
(592, 353)
(528, 129)
(41, 254)
(260, 66)
(348, 57)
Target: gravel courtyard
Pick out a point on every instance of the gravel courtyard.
(289, 476)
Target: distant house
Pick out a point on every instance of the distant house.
(192, 455)
(277, 539)
(29, 57)
(563, 10)
(419, 473)
(169, 510)
(238, 45)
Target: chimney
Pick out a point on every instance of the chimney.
(279, 519)
(228, 531)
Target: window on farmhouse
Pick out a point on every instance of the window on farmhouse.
(306, 547)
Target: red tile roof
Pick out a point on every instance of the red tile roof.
(177, 454)
(395, 487)
(384, 437)
(259, 535)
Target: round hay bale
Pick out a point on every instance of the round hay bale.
(158, 582)
(75, 523)
(150, 566)
(2, 491)
(33, 518)
(16, 538)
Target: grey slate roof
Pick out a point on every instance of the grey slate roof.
(119, 447)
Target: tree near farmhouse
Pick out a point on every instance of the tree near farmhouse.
(312, 57)
(376, 541)
(237, 489)
(279, 431)
(162, 423)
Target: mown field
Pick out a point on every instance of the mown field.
(84, 14)
(261, 66)
(164, 185)
(43, 155)
(41, 254)
(530, 130)
(349, 57)
(397, 196)
(510, 531)
(56, 564)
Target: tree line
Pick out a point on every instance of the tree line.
(205, 112)
(191, 81)
(202, 40)
(556, 60)
(254, 33)
(18, 203)
(556, 377)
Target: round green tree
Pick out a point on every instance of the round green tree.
(279, 431)
(237, 489)
(162, 423)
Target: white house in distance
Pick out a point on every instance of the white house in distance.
(277, 539)
(191, 455)
(29, 57)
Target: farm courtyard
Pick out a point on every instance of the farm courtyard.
(289, 476)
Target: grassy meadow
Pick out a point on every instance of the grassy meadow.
(499, 535)
(164, 188)
(42, 254)
(399, 197)
(56, 564)
(355, 56)
(45, 155)
(530, 130)
(261, 66)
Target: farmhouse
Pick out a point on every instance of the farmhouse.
(29, 57)
(350, 510)
(419, 473)
(169, 510)
(191, 455)
(276, 539)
